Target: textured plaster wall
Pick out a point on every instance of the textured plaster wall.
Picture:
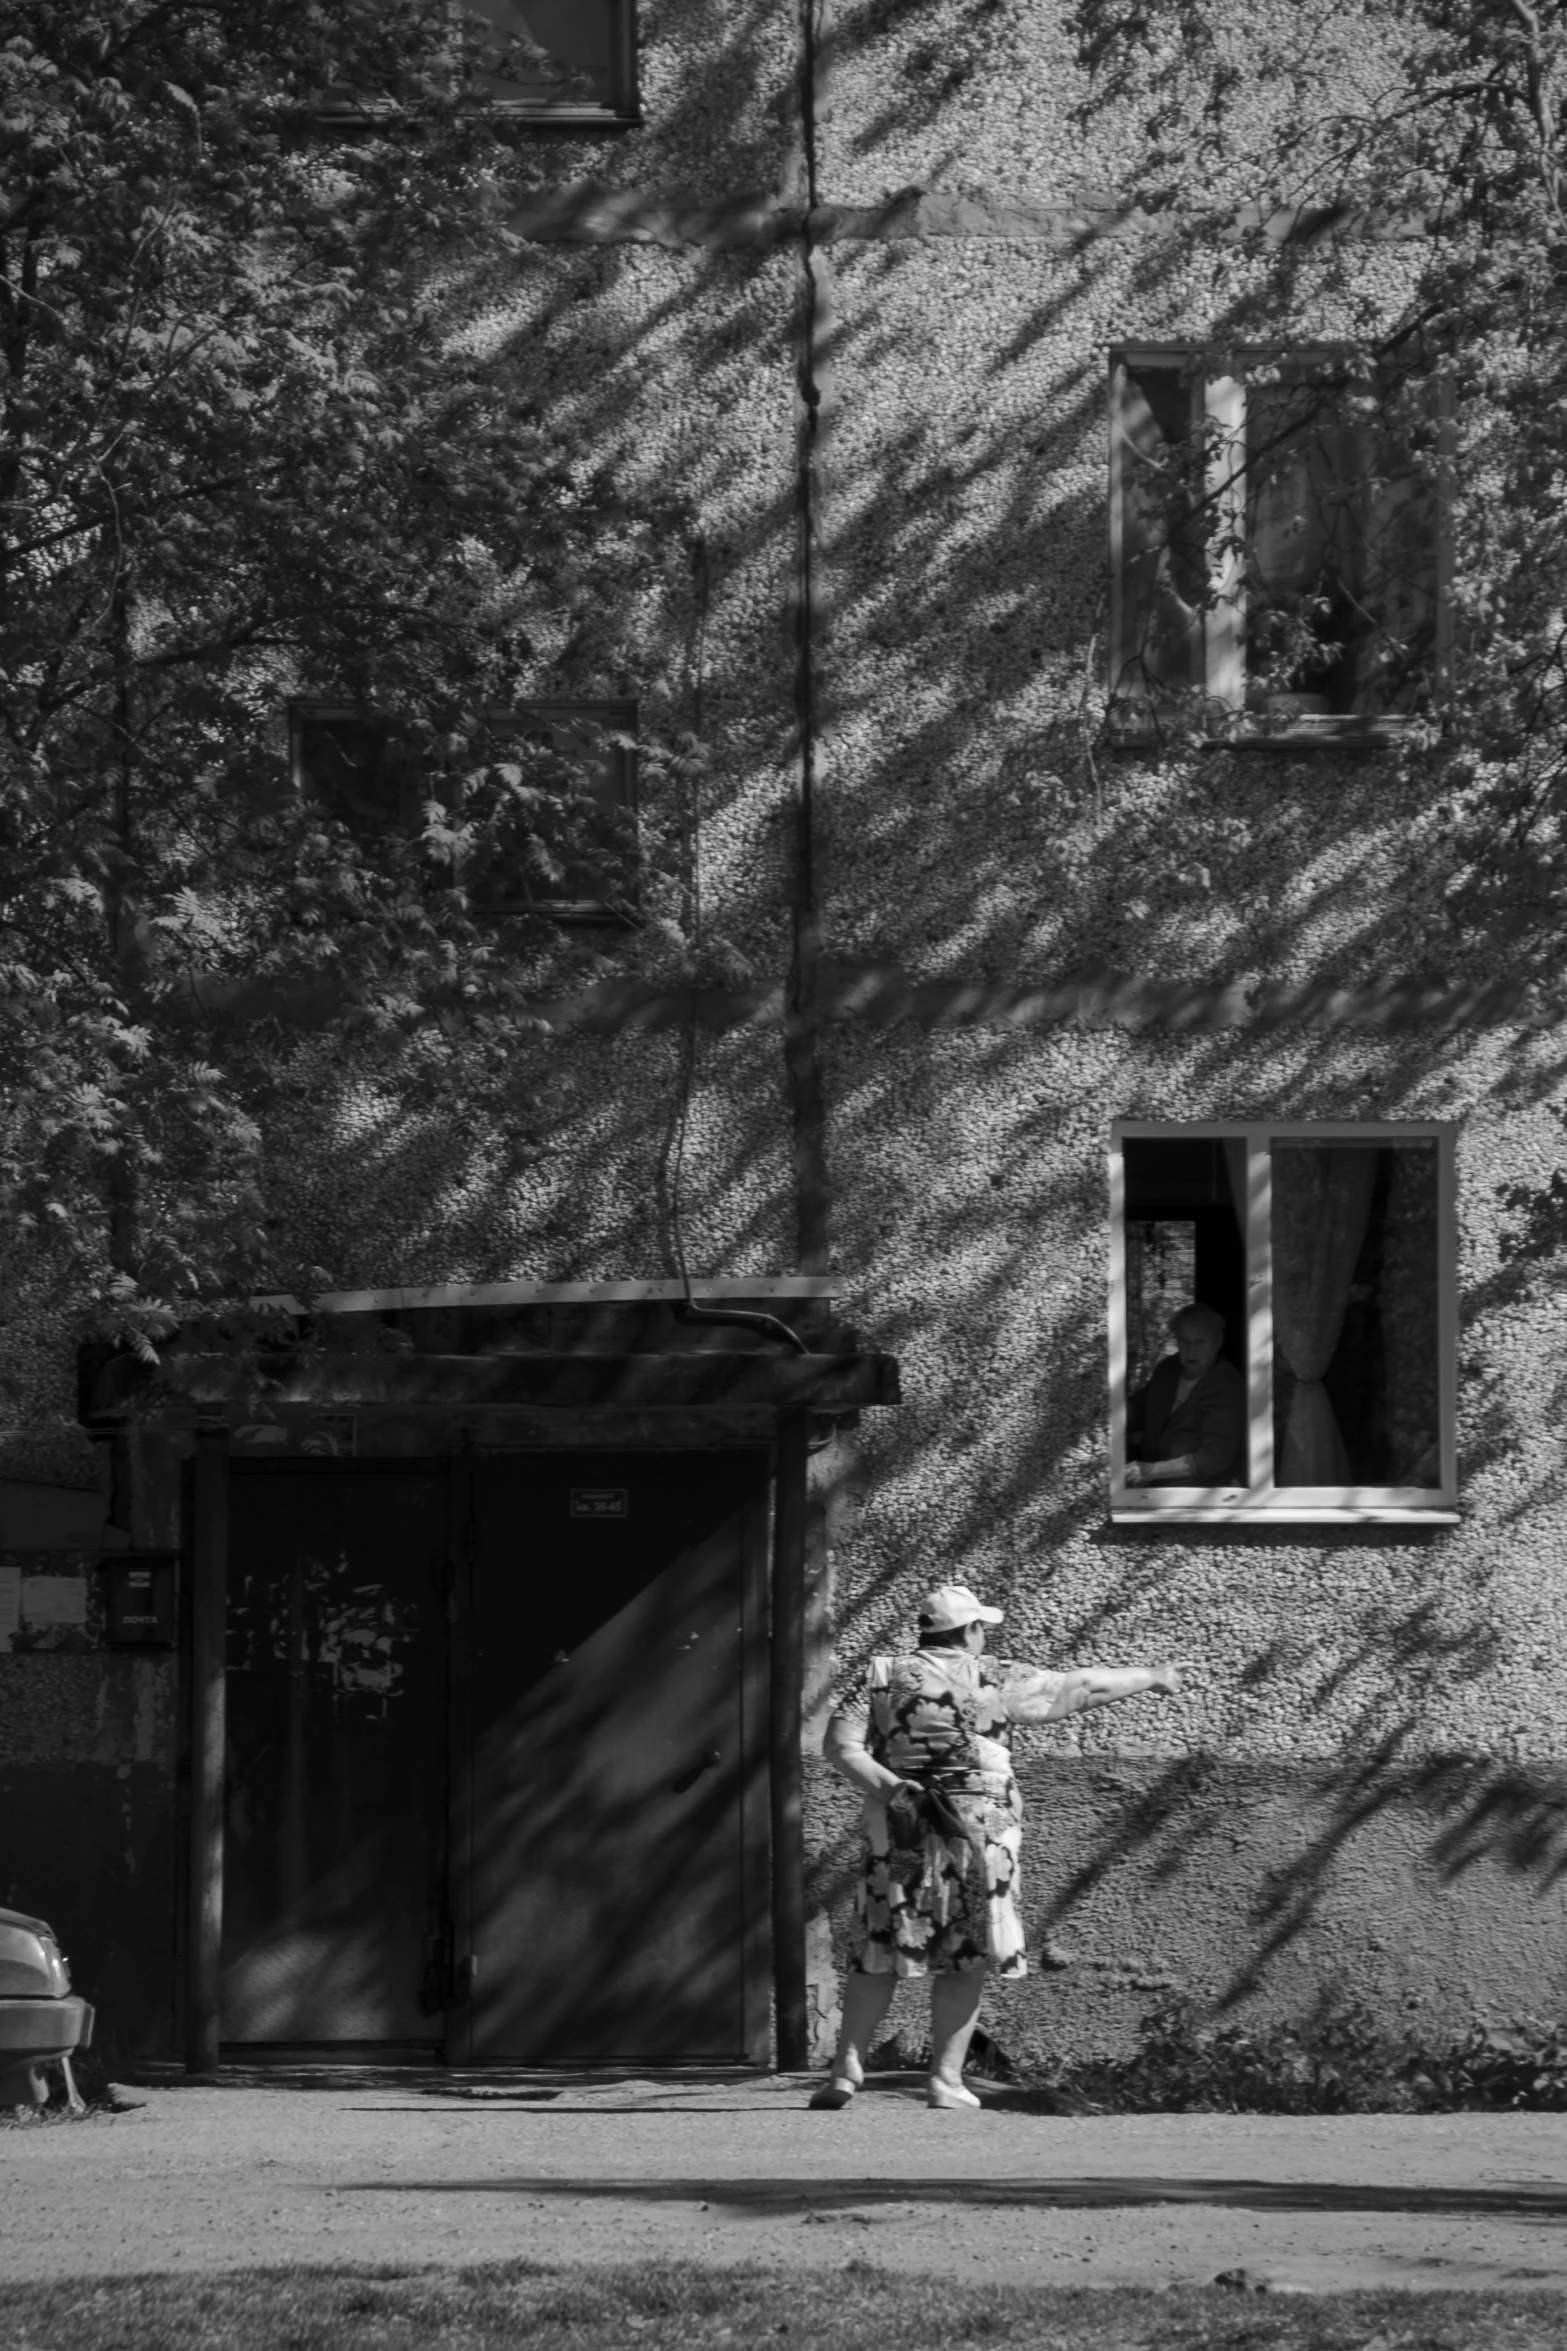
(717, 81)
(1409, 1688)
(985, 96)
(560, 1168)
(1261, 1888)
(974, 824)
(1364, 1781)
(673, 374)
(978, 1212)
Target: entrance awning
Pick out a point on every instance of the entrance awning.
(694, 1376)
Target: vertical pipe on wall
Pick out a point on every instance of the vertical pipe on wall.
(785, 1695)
(209, 1612)
(802, 1013)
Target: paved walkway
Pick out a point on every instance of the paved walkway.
(722, 2170)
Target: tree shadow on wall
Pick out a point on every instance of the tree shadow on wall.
(974, 827)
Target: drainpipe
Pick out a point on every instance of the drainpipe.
(209, 1612)
(802, 1061)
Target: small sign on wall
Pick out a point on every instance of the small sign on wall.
(138, 1594)
(600, 1502)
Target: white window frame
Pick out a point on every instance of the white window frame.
(1263, 1501)
(1223, 651)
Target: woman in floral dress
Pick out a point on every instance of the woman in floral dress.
(926, 1739)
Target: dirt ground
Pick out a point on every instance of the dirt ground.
(722, 2170)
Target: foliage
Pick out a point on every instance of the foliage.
(1400, 172)
(246, 455)
(1337, 2060)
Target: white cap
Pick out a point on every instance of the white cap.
(951, 1605)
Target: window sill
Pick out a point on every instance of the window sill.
(1316, 734)
(1298, 735)
(562, 118)
(1240, 1512)
(585, 914)
(352, 116)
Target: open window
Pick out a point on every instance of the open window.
(1276, 547)
(550, 810)
(1323, 1257)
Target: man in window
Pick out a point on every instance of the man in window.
(1187, 1427)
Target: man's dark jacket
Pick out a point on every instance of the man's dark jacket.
(1210, 1425)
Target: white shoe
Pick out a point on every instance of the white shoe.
(947, 2095)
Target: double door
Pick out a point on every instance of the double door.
(496, 1773)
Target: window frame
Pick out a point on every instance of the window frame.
(1133, 718)
(622, 713)
(1262, 1502)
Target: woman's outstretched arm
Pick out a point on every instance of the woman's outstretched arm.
(1034, 1693)
(1106, 1685)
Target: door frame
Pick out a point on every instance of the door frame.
(770, 1734)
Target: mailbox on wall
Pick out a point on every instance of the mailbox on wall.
(138, 1597)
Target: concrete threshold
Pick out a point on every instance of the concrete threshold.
(435, 2080)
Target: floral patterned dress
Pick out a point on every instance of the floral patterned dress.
(943, 1718)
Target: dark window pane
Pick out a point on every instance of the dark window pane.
(544, 52)
(1354, 1232)
(1185, 1245)
(1307, 489)
(1163, 564)
(1161, 1274)
(358, 769)
(1341, 552)
(574, 857)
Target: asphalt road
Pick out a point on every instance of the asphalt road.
(215, 2178)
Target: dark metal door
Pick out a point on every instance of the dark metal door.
(612, 1826)
(336, 1782)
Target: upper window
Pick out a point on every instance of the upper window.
(572, 61)
(1274, 543)
(551, 809)
(580, 870)
(357, 766)
(1282, 1322)
(570, 64)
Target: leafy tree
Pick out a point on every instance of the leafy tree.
(1398, 165)
(245, 455)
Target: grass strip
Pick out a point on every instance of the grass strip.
(654, 2305)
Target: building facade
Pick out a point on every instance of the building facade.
(1014, 1022)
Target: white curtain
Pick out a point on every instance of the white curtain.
(1321, 1207)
